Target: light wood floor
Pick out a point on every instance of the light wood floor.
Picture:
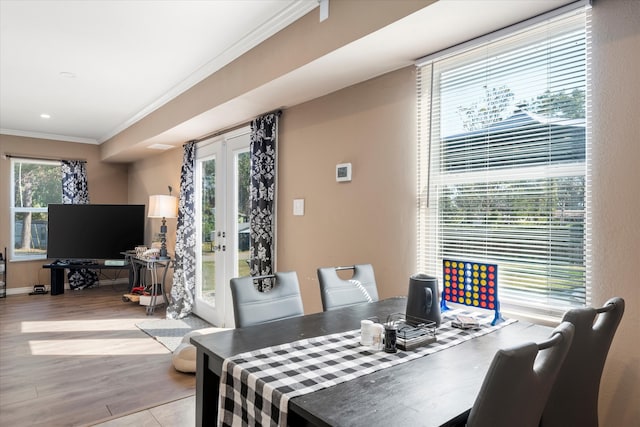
(78, 359)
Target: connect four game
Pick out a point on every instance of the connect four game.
(471, 283)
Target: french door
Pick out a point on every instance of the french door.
(222, 222)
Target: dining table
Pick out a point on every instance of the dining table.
(430, 386)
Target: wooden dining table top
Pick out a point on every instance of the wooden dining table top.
(433, 390)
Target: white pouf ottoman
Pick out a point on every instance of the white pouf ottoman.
(184, 356)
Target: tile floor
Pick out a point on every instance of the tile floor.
(180, 413)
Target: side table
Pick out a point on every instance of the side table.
(154, 267)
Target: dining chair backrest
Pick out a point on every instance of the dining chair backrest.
(336, 292)
(574, 397)
(515, 389)
(251, 306)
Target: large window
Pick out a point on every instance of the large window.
(503, 163)
(35, 184)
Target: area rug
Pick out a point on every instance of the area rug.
(169, 332)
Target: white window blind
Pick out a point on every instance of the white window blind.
(504, 163)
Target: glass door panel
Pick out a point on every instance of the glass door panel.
(207, 253)
(243, 208)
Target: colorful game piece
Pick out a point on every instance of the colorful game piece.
(471, 283)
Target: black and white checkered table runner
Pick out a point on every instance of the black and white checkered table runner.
(255, 387)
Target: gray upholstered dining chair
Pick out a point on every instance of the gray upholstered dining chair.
(574, 397)
(516, 387)
(336, 292)
(251, 307)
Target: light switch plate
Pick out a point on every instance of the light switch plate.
(298, 207)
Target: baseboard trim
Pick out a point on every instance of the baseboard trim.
(26, 289)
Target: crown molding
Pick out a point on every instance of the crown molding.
(51, 136)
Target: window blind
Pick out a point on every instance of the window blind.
(503, 163)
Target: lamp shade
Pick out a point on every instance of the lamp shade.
(162, 206)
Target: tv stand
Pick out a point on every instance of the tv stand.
(59, 266)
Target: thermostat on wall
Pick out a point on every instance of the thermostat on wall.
(343, 172)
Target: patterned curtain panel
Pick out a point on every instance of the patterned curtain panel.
(264, 136)
(75, 191)
(74, 182)
(184, 272)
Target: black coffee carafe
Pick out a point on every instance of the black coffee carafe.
(423, 300)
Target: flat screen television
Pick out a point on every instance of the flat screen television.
(94, 232)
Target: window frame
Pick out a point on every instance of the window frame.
(429, 251)
(14, 210)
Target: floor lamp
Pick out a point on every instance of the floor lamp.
(161, 206)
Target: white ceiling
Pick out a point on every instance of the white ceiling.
(96, 67)
(127, 58)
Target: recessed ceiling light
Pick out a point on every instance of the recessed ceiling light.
(45, 116)
(67, 74)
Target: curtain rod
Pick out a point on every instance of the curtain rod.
(29, 157)
(232, 128)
